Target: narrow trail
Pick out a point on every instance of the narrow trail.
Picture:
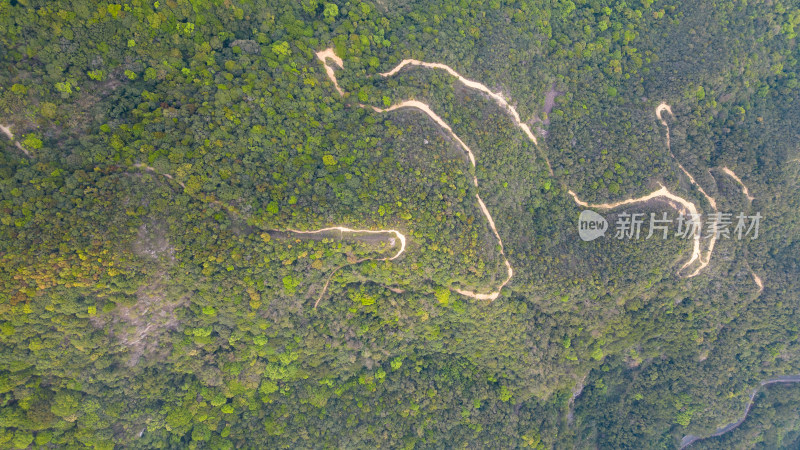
(324, 56)
(659, 113)
(328, 54)
(7, 131)
(758, 281)
(712, 242)
(497, 96)
(745, 191)
(673, 200)
(690, 439)
(153, 170)
(398, 235)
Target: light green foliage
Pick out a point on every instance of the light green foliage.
(65, 403)
(701, 93)
(310, 6)
(442, 295)
(97, 75)
(114, 9)
(268, 387)
(281, 49)
(363, 298)
(290, 283)
(505, 394)
(330, 12)
(32, 141)
(22, 439)
(150, 74)
(684, 418)
(65, 87)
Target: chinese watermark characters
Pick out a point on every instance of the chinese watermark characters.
(717, 225)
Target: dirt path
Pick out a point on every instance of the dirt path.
(712, 242)
(673, 200)
(7, 131)
(398, 235)
(750, 198)
(756, 278)
(745, 191)
(328, 54)
(758, 281)
(498, 96)
(659, 111)
(324, 56)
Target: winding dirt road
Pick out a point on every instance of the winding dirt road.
(659, 113)
(324, 56)
(400, 236)
(496, 96)
(745, 191)
(690, 439)
(674, 201)
(328, 54)
(697, 255)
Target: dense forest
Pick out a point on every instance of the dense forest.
(156, 156)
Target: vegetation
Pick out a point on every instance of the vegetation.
(151, 295)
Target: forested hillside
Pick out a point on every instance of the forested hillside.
(160, 161)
